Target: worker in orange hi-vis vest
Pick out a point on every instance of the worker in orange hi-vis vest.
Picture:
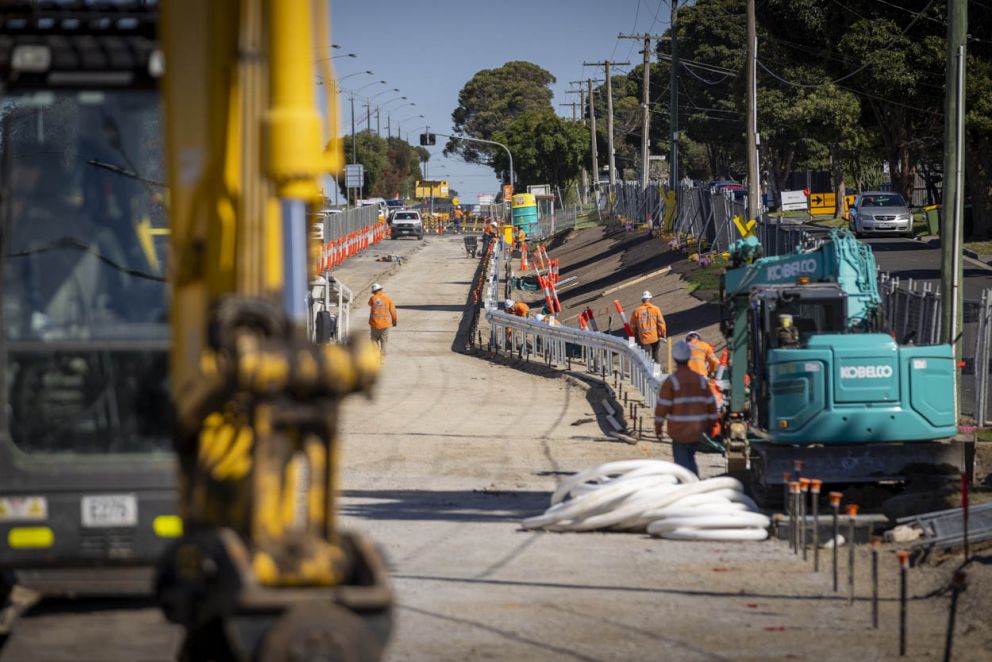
(686, 401)
(382, 316)
(703, 360)
(649, 326)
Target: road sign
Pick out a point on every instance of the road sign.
(822, 203)
(507, 192)
(354, 175)
(456, 201)
(485, 198)
(794, 201)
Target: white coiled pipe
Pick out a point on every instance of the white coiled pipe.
(656, 496)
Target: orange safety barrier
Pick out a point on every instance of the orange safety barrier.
(623, 316)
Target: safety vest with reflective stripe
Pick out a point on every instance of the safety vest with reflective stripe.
(703, 361)
(649, 323)
(520, 309)
(686, 401)
(383, 312)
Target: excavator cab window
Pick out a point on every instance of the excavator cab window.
(83, 323)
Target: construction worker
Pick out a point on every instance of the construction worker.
(488, 234)
(382, 316)
(649, 326)
(518, 308)
(686, 401)
(703, 360)
(520, 238)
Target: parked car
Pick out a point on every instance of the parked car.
(407, 223)
(880, 212)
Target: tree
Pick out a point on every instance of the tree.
(546, 148)
(491, 100)
(391, 165)
(978, 141)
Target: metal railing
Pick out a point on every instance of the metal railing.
(331, 295)
(558, 345)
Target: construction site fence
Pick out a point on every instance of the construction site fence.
(348, 233)
(912, 313)
(629, 202)
(709, 220)
(557, 345)
(555, 222)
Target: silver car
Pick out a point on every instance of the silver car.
(881, 212)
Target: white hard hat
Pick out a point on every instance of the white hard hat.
(508, 303)
(681, 351)
(646, 294)
(376, 287)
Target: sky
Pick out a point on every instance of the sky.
(429, 50)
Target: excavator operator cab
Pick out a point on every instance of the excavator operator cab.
(808, 309)
(87, 476)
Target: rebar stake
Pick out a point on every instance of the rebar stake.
(804, 493)
(787, 504)
(835, 505)
(903, 572)
(957, 585)
(815, 486)
(794, 516)
(876, 542)
(852, 513)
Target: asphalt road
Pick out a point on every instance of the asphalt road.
(907, 258)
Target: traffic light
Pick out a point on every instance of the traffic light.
(427, 139)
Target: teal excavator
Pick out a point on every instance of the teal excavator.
(814, 377)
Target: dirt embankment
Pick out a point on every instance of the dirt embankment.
(606, 267)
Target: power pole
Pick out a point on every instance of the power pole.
(389, 128)
(645, 104)
(753, 176)
(606, 64)
(354, 149)
(673, 103)
(573, 105)
(584, 196)
(368, 115)
(592, 131)
(951, 232)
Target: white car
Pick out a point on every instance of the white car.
(881, 212)
(406, 223)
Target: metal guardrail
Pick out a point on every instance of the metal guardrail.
(557, 345)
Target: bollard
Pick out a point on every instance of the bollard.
(903, 572)
(957, 585)
(804, 492)
(815, 485)
(852, 512)
(876, 542)
(835, 505)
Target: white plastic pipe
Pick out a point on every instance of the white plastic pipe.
(655, 496)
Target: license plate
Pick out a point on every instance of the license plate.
(881, 226)
(106, 510)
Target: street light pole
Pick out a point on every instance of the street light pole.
(488, 142)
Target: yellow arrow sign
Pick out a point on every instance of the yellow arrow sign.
(746, 229)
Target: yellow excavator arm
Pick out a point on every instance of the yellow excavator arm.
(255, 401)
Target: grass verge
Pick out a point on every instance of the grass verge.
(704, 281)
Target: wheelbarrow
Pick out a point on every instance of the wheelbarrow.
(471, 245)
